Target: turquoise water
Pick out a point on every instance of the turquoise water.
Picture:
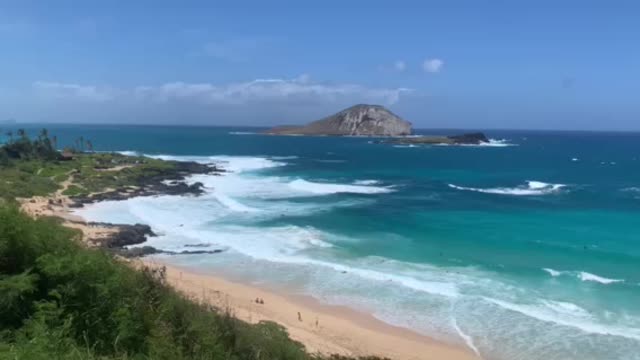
(525, 249)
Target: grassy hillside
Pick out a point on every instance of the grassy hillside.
(39, 177)
(59, 300)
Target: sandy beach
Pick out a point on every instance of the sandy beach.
(320, 327)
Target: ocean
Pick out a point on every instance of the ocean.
(524, 248)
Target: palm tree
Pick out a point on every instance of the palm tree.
(89, 145)
(22, 133)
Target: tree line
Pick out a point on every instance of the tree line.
(20, 145)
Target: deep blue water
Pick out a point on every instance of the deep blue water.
(527, 251)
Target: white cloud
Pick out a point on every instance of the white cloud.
(268, 90)
(289, 91)
(73, 91)
(400, 65)
(432, 65)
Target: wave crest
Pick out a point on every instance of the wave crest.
(532, 188)
(583, 276)
(326, 188)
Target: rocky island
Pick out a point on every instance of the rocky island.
(377, 121)
(358, 120)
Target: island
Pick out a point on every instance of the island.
(374, 121)
(358, 120)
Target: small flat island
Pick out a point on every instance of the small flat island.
(374, 121)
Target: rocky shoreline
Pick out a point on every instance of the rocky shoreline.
(118, 238)
(167, 182)
(123, 236)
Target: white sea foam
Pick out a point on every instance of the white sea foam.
(552, 272)
(466, 338)
(585, 276)
(232, 204)
(327, 188)
(228, 163)
(495, 143)
(386, 271)
(634, 191)
(241, 133)
(366, 182)
(128, 153)
(532, 188)
(490, 143)
(245, 163)
(566, 308)
(567, 314)
(289, 157)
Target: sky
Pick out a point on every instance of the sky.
(439, 64)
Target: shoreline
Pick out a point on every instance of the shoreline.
(322, 328)
(338, 330)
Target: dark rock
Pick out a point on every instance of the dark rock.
(197, 245)
(471, 138)
(464, 139)
(196, 252)
(137, 251)
(166, 182)
(358, 120)
(125, 235)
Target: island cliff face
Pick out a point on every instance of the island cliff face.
(358, 120)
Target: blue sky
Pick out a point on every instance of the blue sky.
(439, 64)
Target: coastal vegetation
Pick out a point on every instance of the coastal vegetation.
(33, 167)
(60, 299)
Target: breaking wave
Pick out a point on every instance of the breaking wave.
(242, 133)
(532, 188)
(490, 143)
(583, 276)
(326, 188)
(366, 182)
